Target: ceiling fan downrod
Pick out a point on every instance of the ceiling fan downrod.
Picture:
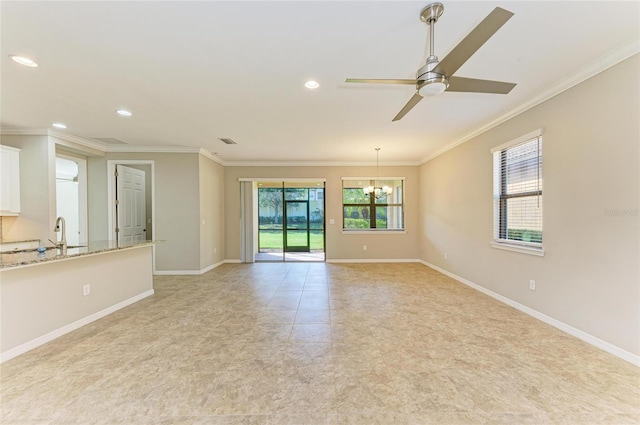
(425, 76)
(429, 16)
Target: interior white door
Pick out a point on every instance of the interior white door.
(130, 204)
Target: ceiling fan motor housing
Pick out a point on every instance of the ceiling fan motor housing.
(431, 83)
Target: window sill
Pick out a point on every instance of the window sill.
(519, 248)
(373, 232)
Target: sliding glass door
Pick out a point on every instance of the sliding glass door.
(290, 221)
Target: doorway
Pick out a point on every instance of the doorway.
(140, 191)
(71, 196)
(296, 226)
(131, 214)
(291, 221)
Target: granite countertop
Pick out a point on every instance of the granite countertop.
(18, 240)
(31, 257)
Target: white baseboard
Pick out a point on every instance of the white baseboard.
(28, 346)
(233, 261)
(369, 260)
(586, 337)
(176, 272)
(188, 272)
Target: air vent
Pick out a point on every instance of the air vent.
(228, 141)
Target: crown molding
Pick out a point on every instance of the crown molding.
(73, 141)
(211, 156)
(24, 131)
(164, 149)
(77, 140)
(596, 67)
(319, 164)
(151, 149)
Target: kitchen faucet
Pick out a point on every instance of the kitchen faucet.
(62, 244)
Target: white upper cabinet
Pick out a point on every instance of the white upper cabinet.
(9, 181)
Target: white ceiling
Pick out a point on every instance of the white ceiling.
(192, 72)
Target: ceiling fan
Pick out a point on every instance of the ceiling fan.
(437, 76)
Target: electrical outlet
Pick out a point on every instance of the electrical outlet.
(364, 247)
(215, 250)
(446, 256)
(86, 290)
(532, 285)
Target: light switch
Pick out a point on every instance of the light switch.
(332, 221)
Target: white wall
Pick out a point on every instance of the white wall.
(589, 277)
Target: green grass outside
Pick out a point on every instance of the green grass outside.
(272, 239)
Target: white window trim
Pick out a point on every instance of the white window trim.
(375, 231)
(517, 141)
(523, 248)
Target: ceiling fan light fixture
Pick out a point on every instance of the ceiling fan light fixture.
(312, 84)
(123, 113)
(434, 88)
(23, 61)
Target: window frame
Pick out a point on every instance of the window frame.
(501, 196)
(372, 205)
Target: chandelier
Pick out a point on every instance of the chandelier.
(378, 191)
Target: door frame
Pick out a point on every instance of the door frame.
(111, 197)
(285, 226)
(255, 219)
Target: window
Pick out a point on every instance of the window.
(517, 193)
(365, 212)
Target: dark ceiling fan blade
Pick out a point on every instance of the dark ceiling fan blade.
(380, 81)
(410, 104)
(461, 84)
(473, 41)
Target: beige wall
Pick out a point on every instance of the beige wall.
(176, 206)
(37, 189)
(589, 277)
(338, 245)
(97, 208)
(211, 212)
(188, 189)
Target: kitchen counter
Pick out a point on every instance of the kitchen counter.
(2, 241)
(44, 296)
(32, 257)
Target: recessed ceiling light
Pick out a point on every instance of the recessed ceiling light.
(24, 61)
(311, 84)
(124, 112)
(59, 125)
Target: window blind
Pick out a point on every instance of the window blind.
(517, 193)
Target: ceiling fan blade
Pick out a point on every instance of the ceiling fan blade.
(473, 41)
(461, 84)
(410, 104)
(380, 81)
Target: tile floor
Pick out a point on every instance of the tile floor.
(315, 343)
